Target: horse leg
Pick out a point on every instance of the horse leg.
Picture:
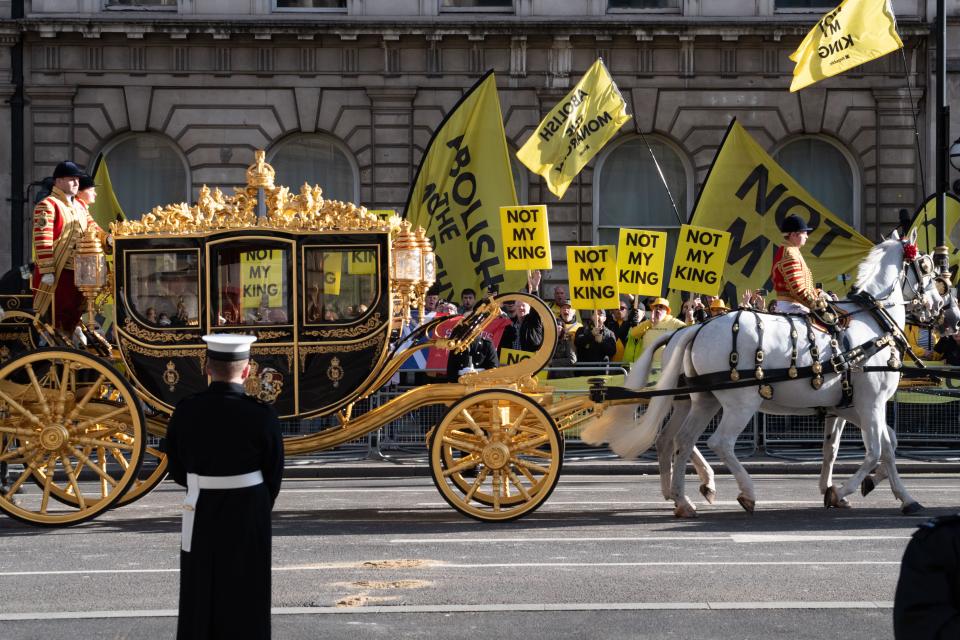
(870, 482)
(666, 444)
(888, 465)
(832, 430)
(874, 427)
(702, 408)
(736, 415)
(708, 488)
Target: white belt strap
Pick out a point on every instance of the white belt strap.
(195, 483)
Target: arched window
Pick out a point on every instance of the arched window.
(628, 191)
(146, 170)
(317, 159)
(825, 171)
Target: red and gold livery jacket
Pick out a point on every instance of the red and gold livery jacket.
(792, 280)
(50, 217)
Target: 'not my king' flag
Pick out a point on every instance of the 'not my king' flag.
(855, 32)
(463, 180)
(575, 130)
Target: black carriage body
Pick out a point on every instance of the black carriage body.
(17, 335)
(314, 352)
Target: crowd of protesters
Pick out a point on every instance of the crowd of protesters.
(588, 343)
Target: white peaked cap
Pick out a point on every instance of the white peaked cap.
(228, 346)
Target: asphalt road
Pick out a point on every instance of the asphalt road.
(386, 557)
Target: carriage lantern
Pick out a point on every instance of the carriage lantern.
(90, 268)
(428, 268)
(407, 267)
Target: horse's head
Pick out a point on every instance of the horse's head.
(925, 293)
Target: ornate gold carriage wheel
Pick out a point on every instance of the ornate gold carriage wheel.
(496, 455)
(75, 425)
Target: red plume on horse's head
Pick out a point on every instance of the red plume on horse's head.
(909, 252)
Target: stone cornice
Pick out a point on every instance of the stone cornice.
(263, 27)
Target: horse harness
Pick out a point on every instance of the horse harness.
(842, 362)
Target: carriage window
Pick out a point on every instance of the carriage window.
(252, 285)
(163, 287)
(341, 284)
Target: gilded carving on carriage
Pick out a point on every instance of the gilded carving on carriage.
(349, 332)
(142, 333)
(265, 385)
(171, 376)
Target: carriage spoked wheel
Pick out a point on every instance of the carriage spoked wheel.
(75, 425)
(496, 455)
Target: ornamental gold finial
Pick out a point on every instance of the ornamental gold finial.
(260, 174)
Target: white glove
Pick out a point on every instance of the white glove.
(110, 239)
(47, 279)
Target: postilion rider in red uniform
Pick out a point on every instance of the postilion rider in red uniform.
(791, 277)
(59, 221)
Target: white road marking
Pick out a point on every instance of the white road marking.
(664, 503)
(433, 489)
(739, 538)
(799, 537)
(434, 564)
(468, 608)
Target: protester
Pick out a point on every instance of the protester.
(559, 297)
(227, 449)
(565, 355)
(525, 332)
(468, 298)
(595, 343)
(948, 349)
(693, 310)
(620, 322)
(648, 331)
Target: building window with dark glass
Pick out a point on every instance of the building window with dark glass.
(311, 4)
(142, 4)
(643, 4)
(805, 4)
(474, 5)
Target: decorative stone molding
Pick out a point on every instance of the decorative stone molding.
(518, 56)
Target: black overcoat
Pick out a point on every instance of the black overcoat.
(225, 578)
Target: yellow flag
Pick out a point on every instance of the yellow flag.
(107, 208)
(575, 130)
(925, 224)
(463, 180)
(856, 32)
(747, 194)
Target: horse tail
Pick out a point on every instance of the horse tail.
(620, 416)
(633, 441)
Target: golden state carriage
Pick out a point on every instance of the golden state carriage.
(323, 285)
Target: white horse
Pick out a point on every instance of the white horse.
(882, 275)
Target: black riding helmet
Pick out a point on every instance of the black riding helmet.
(793, 223)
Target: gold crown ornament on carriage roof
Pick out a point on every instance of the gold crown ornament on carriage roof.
(413, 267)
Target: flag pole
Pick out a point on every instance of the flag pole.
(943, 138)
(663, 178)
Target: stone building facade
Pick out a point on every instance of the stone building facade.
(178, 93)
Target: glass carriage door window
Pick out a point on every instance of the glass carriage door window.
(341, 284)
(252, 284)
(163, 287)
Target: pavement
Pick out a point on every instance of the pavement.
(404, 464)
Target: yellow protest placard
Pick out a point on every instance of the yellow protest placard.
(593, 277)
(362, 262)
(640, 258)
(513, 356)
(261, 274)
(526, 237)
(383, 213)
(701, 255)
(332, 272)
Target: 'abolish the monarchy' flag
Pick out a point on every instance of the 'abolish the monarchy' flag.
(463, 180)
(855, 32)
(575, 130)
(748, 194)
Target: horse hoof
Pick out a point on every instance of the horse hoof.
(685, 511)
(830, 497)
(843, 503)
(867, 486)
(747, 504)
(911, 509)
(708, 493)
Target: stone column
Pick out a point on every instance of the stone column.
(896, 184)
(391, 132)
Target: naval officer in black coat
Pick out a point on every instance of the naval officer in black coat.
(227, 449)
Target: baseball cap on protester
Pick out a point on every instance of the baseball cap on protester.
(228, 347)
(67, 169)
